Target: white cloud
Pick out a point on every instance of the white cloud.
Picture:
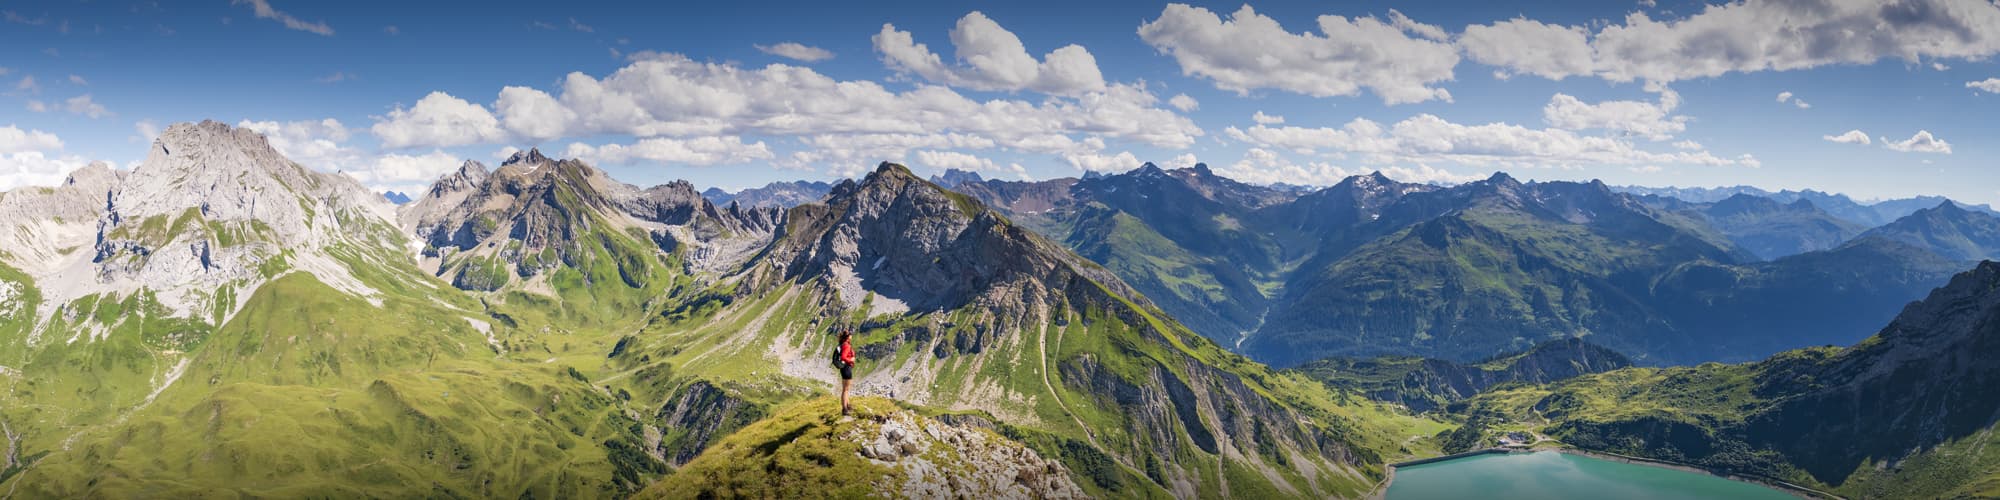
(1185, 160)
(406, 173)
(318, 144)
(336, 77)
(27, 84)
(991, 58)
(1263, 166)
(1939, 66)
(1851, 137)
(145, 131)
(673, 96)
(1787, 96)
(702, 151)
(264, 11)
(1690, 146)
(1264, 119)
(78, 80)
(38, 106)
(1093, 162)
(438, 120)
(1184, 103)
(1527, 46)
(1251, 51)
(1642, 119)
(1991, 85)
(83, 105)
(32, 158)
(580, 27)
(1648, 169)
(1429, 139)
(15, 140)
(34, 168)
(796, 51)
(942, 160)
(1923, 142)
(1745, 36)
(532, 114)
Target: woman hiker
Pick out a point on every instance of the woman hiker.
(844, 359)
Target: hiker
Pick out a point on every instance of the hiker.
(844, 359)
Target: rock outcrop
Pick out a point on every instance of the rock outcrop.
(940, 459)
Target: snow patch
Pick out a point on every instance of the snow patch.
(10, 298)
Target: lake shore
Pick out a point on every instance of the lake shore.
(1773, 483)
(1382, 490)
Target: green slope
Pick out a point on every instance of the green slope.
(1907, 413)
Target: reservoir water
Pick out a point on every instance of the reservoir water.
(1556, 476)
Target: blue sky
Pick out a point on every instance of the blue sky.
(1673, 93)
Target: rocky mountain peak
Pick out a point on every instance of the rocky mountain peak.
(1147, 169)
(533, 156)
(952, 178)
(96, 173)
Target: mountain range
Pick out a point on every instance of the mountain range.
(1372, 266)
(1869, 214)
(1906, 413)
(222, 321)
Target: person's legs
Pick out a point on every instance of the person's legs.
(843, 395)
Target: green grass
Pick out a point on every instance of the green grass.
(801, 452)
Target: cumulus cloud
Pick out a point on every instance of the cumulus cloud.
(83, 105)
(1264, 119)
(1745, 36)
(1991, 85)
(319, 144)
(796, 51)
(438, 120)
(15, 140)
(1851, 137)
(1094, 162)
(1399, 61)
(1429, 139)
(1184, 103)
(943, 160)
(670, 95)
(991, 58)
(1638, 118)
(264, 11)
(1263, 166)
(1185, 160)
(405, 172)
(702, 151)
(33, 158)
(1524, 46)
(1923, 142)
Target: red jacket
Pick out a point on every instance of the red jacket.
(846, 352)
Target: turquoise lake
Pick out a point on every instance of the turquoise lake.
(1555, 476)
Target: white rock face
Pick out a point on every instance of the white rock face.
(941, 460)
(209, 207)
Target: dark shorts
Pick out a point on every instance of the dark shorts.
(846, 372)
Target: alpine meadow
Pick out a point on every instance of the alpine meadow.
(1407, 251)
